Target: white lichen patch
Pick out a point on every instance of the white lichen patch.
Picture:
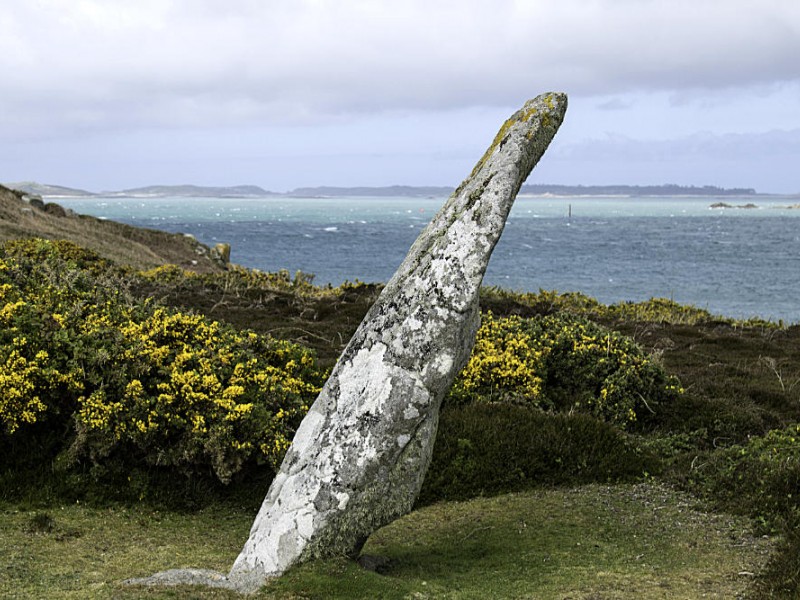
(410, 412)
(442, 364)
(365, 383)
(308, 432)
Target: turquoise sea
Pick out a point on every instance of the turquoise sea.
(738, 262)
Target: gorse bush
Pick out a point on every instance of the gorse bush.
(21, 378)
(126, 378)
(565, 363)
(45, 288)
(506, 364)
(190, 392)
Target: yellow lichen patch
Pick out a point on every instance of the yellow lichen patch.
(530, 111)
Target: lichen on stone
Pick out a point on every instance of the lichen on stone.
(360, 455)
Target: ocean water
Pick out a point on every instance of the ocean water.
(734, 262)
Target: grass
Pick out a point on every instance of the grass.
(626, 541)
(84, 552)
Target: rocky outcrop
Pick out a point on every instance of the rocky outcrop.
(359, 457)
(221, 254)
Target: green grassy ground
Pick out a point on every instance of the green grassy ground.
(596, 541)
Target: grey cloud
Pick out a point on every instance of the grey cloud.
(120, 64)
(614, 104)
(729, 146)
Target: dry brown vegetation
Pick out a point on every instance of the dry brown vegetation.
(123, 244)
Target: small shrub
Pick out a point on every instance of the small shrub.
(658, 310)
(237, 280)
(781, 576)
(760, 477)
(722, 421)
(168, 275)
(654, 310)
(487, 449)
(45, 253)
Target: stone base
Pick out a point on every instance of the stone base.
(243, 583)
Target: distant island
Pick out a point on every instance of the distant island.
(411, 191)
(669, 189)
(236, 191)
(190, 191)
(254, 191)
(531, 189)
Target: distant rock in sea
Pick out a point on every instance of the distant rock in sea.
(749, 205)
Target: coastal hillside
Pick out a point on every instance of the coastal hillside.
(25, 216)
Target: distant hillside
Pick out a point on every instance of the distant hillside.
(194, 191)
(43, 189)
(254, 191)
(24, 217)
(189, 191)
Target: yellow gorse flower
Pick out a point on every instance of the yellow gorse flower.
(183, 389)
(561, 362)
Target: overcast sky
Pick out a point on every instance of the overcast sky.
(112, 94)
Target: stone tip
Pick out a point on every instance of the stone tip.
(553, 103)
(537, 121)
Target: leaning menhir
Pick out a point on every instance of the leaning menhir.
(359, 457)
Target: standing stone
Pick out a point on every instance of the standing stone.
(359, 457)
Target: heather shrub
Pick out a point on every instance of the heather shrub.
(565, 363)
(760, 477)
(653, 310)
(491, 448)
